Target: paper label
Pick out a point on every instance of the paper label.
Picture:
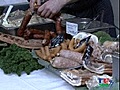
(87, 55)
(71, 28)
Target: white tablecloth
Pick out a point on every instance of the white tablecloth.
(37, 80)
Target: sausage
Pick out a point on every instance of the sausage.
(58, 26)
(52, 34)
(38, 36)
(48, 53)
(76, 56)
(41, 55)
(44, 53)
(24, 23)
(46, 40)
(67, 42)
(43, 50)
(33, 34)
(64, 46)
(26, 34)
(36, 31)
(81, 48)
(56, 16)
(71, 44)
(61, 62)
(55, 50)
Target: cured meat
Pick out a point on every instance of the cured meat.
(72, 55)
(19, 41)
(76, 77)
(58, 26)
(33, 34)
(61, 62)
(24, 23)
(97, 50)
(114, 46)
(47, 36)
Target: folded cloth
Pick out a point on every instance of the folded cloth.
(37, 80)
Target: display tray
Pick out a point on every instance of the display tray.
(14, 22)
(48, 26)
(87, 24)
(46, 64)
(17, 14)
(10, 36)
(60, 72)
(63, 73)
(17, 26)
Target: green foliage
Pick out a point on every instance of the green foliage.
(14, 59)
(103, 36)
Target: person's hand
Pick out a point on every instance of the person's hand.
(49, 9)
(33, 3)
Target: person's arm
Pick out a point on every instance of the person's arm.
(50, 7)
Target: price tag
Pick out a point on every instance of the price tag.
(71, 28)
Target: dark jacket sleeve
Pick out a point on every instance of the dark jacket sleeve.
(81, 5)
